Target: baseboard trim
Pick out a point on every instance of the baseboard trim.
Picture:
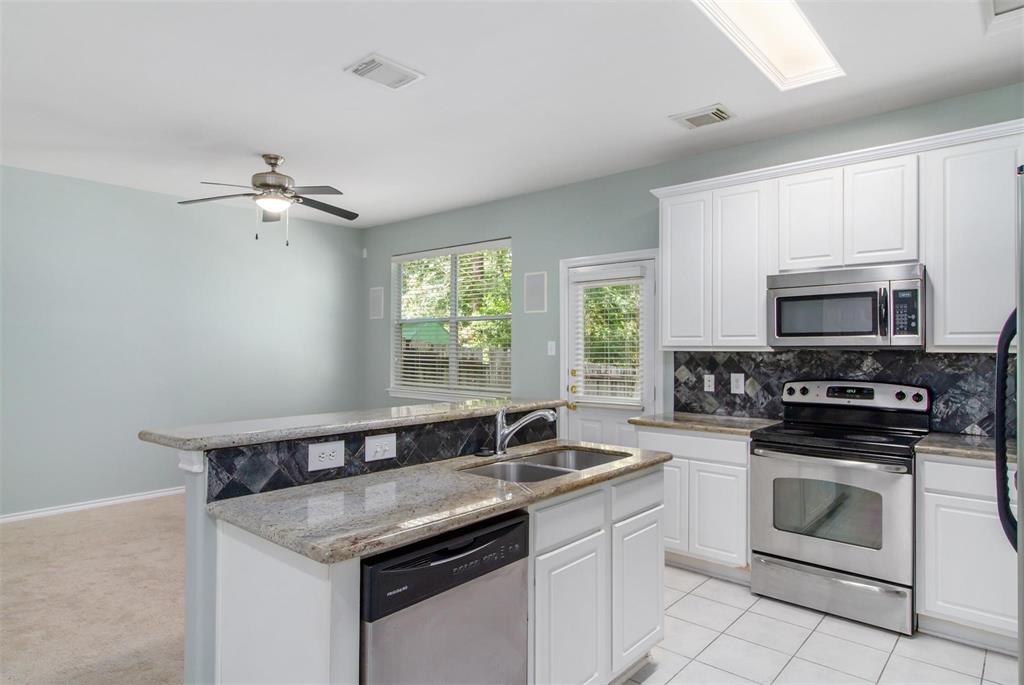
(968, 635)
(708, 568)
(91, 504)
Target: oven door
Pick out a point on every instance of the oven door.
(846, 513)
(853, 315)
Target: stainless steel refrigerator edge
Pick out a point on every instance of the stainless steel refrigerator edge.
(1020, 406)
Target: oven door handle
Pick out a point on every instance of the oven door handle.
(827, 461)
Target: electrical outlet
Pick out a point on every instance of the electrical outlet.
(326, 455)
(551, 348)
(736, 383)
(379, 447)
(709, 382)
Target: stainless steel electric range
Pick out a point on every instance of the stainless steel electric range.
(832, 500)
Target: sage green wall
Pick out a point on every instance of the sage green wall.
(617, 213)
(122, 310)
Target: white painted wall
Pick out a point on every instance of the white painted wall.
(122, 310)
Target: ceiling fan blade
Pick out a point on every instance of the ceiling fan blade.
(330, 209)
(218, 197)
(317, 190)
(229, 185)
(269, 216)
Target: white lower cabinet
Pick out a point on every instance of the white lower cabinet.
(705, 494)
(571, 612)
(636, 587)
(718, 513)
(675, 515)
(967, 571)
(597, 605)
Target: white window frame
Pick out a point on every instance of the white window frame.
(396, 299)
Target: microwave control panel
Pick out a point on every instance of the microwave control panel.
(905, 311)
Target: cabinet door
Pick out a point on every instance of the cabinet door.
(718, 513)
(742, 219)
(677, 475)
(638, 560)
(572, 617)
(880, 211)
(970, 570)
(969, 220)
(686, 271)
(811, 220)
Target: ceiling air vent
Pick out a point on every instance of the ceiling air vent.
(702, 117)
(384, 71)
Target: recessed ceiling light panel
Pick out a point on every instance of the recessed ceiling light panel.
(777, 38)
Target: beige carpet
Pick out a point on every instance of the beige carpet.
(95, 596)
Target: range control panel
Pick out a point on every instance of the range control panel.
(858, 394)
(905, 312)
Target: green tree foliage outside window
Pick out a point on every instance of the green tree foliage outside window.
(478, 357)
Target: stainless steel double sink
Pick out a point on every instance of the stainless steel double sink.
(545, 465)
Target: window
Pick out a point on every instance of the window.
(452, 332)
(608, 346)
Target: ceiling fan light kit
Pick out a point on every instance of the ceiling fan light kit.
(274, 193)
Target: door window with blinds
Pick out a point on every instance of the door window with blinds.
(452, 332)
(610, 336)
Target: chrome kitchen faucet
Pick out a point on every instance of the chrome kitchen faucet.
(503, 433)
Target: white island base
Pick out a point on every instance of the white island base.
(595, 595)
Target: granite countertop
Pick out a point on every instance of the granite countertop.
(964, 446)
(233, 434)
(708, 423)
(364, 515)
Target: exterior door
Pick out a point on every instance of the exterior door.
(610, 350)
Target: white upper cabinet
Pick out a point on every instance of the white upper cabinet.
(811, 220)
(949, 202)
(686, 272)
(743, 219)
(969, 222)
(880, 211)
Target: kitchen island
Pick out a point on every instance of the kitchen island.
(274, 551)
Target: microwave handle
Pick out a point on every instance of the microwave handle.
(883, 312)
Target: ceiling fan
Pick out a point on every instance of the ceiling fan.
(275, 192)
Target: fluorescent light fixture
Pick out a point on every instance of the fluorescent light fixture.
(777, 38)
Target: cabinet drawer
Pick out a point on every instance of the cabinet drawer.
(690, 446)
(562, 523)
(637, 495)
(960, 479)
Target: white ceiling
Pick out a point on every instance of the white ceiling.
(519, 96)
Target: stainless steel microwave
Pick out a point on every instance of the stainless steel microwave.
(876, 306)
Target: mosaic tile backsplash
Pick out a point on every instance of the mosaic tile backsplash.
(961, 384)
(237, 471)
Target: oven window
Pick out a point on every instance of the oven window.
(827, 510)
(828, 315)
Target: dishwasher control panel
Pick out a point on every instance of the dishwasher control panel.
(396, 580)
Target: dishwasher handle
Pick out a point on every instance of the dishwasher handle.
(397, 580)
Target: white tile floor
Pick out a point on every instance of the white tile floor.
(718, 632)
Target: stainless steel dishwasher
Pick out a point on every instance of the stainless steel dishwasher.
(451, 609)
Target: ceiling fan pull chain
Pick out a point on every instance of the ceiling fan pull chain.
(287, 225)
(259, 214)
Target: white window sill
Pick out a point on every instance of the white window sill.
(416, 394)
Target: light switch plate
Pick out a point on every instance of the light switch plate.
(326, 455)
(551, 348)
(379, 447)
(709, 382)
(736, 383)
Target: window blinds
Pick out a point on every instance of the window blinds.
(453, 326)
(608, 341)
